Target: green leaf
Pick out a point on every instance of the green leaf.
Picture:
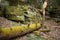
(34, 37)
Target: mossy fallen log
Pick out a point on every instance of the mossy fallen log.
(9, 32)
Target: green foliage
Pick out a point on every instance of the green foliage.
(36, 3)
(34, 37)
(54, 9)
(13, 2)
(52, 4)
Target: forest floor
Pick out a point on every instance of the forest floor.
(53, 34)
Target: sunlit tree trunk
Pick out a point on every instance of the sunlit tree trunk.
(43, 11)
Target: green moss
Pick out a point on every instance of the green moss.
(24, 13)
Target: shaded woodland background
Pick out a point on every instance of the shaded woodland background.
(52, 9)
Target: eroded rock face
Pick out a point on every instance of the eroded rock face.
(24, 13)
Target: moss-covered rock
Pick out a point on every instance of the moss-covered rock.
(23, 13)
